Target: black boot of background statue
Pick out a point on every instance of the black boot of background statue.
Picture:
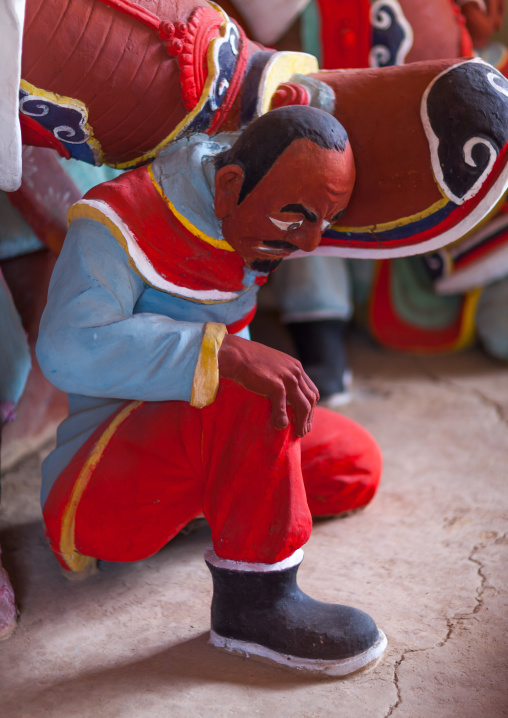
(320, 347)
(258, 610)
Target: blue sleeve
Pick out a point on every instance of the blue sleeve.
(91, 343)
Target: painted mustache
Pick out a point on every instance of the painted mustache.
(280, 244)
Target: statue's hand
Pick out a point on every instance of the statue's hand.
(273, 374)
(482, 25)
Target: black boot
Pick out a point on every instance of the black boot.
(320, 347)
(258, 609)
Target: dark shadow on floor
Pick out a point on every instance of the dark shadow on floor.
(176, 670)
(34, 570)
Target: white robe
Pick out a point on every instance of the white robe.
(12, 15)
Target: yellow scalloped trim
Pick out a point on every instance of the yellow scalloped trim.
(385, 226)
(69, 102)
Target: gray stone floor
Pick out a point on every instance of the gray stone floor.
(427, 559)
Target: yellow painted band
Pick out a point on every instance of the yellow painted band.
(206, 376)
(385, 226)
(218, 243)
(468, 328)
(74, 560)
(84, 211)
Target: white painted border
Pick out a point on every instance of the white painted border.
(12, 15)
(434, 142)
(406, 44)
(492, 197)
(294, 560)
(492, 227)
(342, 667)
(146, 268)
(488, 269)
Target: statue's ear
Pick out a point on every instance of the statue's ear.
(228, 183)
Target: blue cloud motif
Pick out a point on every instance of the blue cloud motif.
(392, 36)
(467, 111)
(66, 123)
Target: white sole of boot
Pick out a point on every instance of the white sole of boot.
(341, 667)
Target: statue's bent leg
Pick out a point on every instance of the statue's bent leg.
(259, 517)
(341, 464)
(255, 500)
(130, 488)
(166, 462)
(157, 464)
(152, 467)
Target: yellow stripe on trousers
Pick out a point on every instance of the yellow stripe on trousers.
(74, 560)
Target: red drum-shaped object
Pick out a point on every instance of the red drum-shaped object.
(430, 142)
(380, 33)
(113, 86)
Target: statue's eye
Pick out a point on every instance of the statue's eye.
(325, 225)
(286, 226)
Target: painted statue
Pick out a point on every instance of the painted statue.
(149, 339)
(189, 68)
(483, 19)
(174, 412)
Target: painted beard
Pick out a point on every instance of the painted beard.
(265, 266)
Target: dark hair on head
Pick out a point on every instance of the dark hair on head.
(265, 139)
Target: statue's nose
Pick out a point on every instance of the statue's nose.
(308, 237)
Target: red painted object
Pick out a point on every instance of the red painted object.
(133, 78)
(345, 33)
(391, 330)
(35, 135)
(436, 29)
(190, 263)
(135, 500)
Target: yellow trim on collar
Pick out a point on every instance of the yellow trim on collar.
(74, 560)
(206, 376)
(84, 211)
(218, 243)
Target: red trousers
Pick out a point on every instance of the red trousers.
(154, 466)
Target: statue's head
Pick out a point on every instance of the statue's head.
(288, 177)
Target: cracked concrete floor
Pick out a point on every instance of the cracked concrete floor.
(428, 560)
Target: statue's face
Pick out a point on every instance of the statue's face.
(306, 190)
